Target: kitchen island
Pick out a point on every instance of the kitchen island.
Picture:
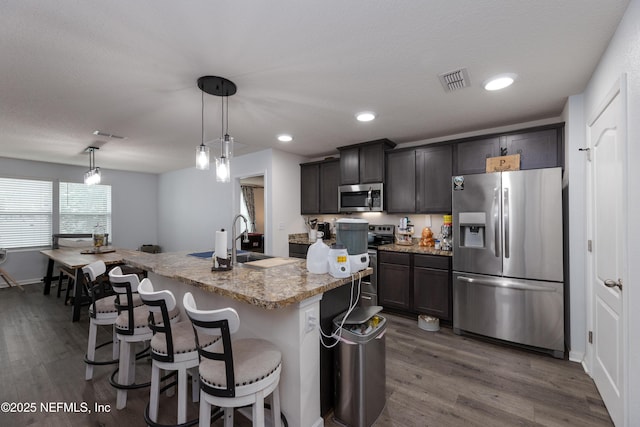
(274, 303)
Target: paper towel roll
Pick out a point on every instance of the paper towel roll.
(221, 244)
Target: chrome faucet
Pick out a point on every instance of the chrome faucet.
(234, 237)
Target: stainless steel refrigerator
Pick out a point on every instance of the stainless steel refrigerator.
(508, 257)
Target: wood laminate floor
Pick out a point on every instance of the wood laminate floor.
(433, 378)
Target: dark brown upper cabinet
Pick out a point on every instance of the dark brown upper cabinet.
(473, 155)
(319, 187)
(419, 180)
(400, 186)
(539, 147)
(364, 163)
(434, 167)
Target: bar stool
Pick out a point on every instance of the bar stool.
(234, 374)
(131, 328)
(173, 348)
(102, 311)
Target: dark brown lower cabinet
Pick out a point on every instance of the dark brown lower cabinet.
(415, 283)
(394, 271)
(298, 250)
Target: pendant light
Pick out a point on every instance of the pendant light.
(93, 175)
(224, 88)
(202, 151)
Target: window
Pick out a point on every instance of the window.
(82, 207)
(25, 213)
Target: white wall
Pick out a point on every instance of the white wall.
(575, 173)
(134, 209)
(623, 56)
(191, 207)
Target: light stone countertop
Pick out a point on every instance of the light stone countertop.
(414, 249)
(269, 288)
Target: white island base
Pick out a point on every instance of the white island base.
(286, 328)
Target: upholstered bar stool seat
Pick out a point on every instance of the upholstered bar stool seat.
(102, 311)
(173, 348)
(234, 373)
(132, 326)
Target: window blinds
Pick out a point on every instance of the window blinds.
(25, 213)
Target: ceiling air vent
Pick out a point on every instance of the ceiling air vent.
(454, 80)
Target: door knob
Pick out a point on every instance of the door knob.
(612, 284)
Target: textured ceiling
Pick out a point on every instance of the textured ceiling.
(302, 67)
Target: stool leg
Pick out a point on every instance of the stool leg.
(195, 385)
(116, 344)
(205, 413)
(275, 406)
(123, 373)
(258, 409)
(228, 417)
(182, 395)
(154, 394)
(91, 349)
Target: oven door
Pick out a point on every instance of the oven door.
(369, 285)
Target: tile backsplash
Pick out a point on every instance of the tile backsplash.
(419, 221)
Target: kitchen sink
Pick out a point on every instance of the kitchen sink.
(251, 256)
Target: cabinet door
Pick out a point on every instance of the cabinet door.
(393, 286)
(433, 172)
(400, 186)
(472, 155)
(349, 166)
(309, 189)
(431, 292)
(371, 163)
(329, 182)
(541, 149)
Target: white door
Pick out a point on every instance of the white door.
(607, 219)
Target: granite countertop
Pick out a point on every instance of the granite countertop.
(303, 239)
(413, 249)
(269, 288)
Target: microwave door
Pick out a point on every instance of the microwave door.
(353, 201)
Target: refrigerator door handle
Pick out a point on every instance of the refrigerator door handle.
(505, 284)
(496, 221)
(506, 222)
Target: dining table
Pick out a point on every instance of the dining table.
(76, 258)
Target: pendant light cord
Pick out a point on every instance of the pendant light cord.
(202, 121)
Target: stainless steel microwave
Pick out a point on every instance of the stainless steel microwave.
(360, 198)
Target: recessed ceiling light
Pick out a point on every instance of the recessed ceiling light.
(285, 138)
(365, 116)
(500, 81)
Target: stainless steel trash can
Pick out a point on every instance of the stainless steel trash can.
(360, 367)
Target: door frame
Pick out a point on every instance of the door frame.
(619, 88)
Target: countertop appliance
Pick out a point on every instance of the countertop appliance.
(360, 198)
(382, 235)
(508, 257)
(352, 233)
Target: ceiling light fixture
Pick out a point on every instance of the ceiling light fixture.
(499, 82)
(219, 86)
(365, 116)
(93, 175)
(285, 138)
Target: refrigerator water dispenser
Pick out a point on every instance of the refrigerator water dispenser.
(472, 229)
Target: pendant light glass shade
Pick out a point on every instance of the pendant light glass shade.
(223, 163)
(93, 175)
(202, 157)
